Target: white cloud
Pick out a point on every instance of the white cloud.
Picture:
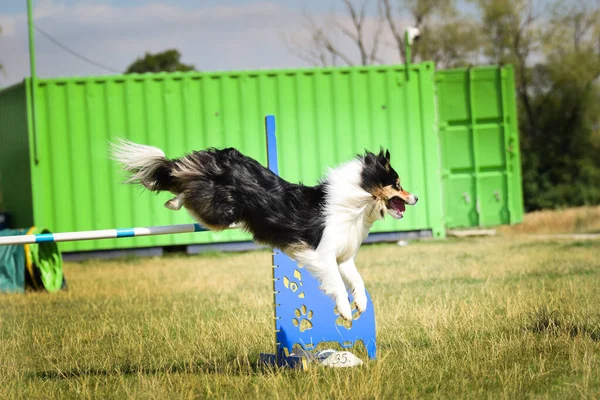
(212, 38)
(218, 37)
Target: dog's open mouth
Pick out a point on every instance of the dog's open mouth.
(396, 207)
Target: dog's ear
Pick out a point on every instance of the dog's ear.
(368, 157)
(384, 159)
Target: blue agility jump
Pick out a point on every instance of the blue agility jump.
(301, 319)
(304, 316)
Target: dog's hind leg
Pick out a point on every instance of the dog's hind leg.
(354, 282)
(175, 203)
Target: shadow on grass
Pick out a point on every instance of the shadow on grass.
(546, 321)
(538, 244)
(232, 366)
(553, 274)
(583, 244)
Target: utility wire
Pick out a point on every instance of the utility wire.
(74, 53)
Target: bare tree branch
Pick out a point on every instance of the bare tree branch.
(307, 50)
(393, 28)
(324, 47)
(377, 36)
(316, 47)
(310, 47)
(522, 54)
(357, 34)
(323, 40)
(368, 33)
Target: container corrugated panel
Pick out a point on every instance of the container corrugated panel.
(15, 181)
(324, 117)
(480, 147)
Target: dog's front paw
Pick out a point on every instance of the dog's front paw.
(343, 308)
(360, 297)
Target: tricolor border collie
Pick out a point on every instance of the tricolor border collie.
(321, 227)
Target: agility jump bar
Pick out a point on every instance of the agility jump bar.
(100, 234)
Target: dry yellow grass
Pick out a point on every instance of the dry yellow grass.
(473, 318)
(570, 220)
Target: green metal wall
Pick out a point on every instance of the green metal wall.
(479, 143)
(324, 117)
(15, 183)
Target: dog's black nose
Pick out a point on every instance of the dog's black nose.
(416, 198)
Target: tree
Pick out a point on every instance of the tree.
(321, 44)
(563, 142)
(511, 37)
(167, 61)
(448, 38)
(556, 54)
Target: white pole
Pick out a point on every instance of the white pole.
(100, 234)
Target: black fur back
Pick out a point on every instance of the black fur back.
(222, 187)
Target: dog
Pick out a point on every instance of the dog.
(321, 227)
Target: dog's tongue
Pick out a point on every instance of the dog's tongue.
(397, 204)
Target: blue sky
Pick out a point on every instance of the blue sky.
(211, 34)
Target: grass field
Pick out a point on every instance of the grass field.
(500, 317)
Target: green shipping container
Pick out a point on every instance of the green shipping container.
(58, 175)
(479, 142)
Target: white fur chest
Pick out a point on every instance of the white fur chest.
(343, 237)
(349, 213)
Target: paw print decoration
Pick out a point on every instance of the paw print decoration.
(347, 324)
(303, 317)
(294, 286)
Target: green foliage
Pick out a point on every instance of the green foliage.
(448, 37)
(561, 161)
(166, 61)
(451, 42)
(560, 111)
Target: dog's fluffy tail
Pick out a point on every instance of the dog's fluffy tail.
(145, 165)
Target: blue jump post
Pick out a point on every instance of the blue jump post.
(304, 316)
